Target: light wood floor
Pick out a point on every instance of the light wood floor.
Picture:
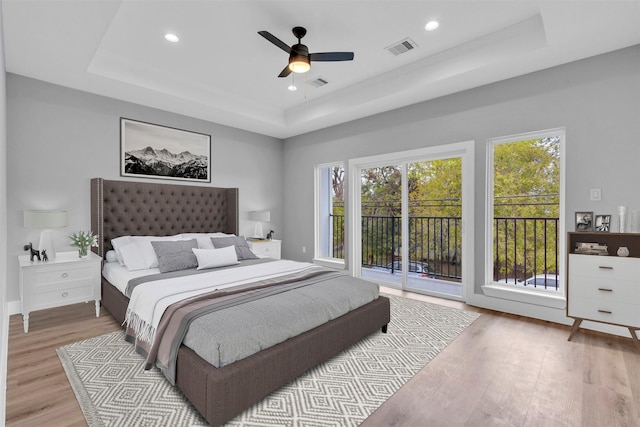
(503, 370)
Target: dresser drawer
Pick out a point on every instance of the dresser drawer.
(265, 248)
(268, 248)
(61, 274)
(603, 267)
(62, 296)
(603, 311)
(604, 289)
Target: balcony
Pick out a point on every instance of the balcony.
(525, 251)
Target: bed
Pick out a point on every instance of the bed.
(120, 208)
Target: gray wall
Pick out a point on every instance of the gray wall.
(59, 138)
(4, 316)
(597, 100)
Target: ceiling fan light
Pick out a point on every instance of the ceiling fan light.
(299, 64)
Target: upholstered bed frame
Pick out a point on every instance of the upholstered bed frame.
(133, 208)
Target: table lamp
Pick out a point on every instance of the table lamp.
(45, 220)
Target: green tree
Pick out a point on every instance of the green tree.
(526, 207)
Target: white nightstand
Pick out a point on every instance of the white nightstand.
(267, 248)
(66, 280)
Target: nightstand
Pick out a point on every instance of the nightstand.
(266, 248)
(65, 280)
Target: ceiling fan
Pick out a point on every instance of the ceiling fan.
(299, 56)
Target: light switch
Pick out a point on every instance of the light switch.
(596, 194)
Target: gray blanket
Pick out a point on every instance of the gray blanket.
(225, 326)
(223, 337)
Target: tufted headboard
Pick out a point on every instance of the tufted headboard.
(121, 208)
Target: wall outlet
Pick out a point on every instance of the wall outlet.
(304, 249)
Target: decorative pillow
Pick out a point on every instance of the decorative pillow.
(132, 258)
(213, 258)
(242, 247)
(175, 255)
(143, 244)
(111, 256)
(204, 239)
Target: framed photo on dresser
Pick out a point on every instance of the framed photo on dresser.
(602, 223)
(152, 151)
(584, 221)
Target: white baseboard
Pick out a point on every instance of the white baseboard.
(13, 307)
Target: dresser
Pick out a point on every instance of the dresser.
(65, 280)
(266, 248)
(604, 289)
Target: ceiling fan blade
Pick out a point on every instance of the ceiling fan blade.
(273, 39)
(331, 56)
(285, 72)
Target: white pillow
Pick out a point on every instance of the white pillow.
(204, 239)
(111, 256)
(133, 260)
(118, 243)
(212, 258)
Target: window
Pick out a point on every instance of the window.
(525, 248)
(330, 238)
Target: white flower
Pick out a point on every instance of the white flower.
(83, 239)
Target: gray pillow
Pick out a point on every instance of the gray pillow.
(242, 247)
(175, 255)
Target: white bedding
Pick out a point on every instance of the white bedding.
(150, 300)
(119, 276)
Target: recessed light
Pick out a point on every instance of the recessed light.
(431, 25)
(171, 37)
(292, 88)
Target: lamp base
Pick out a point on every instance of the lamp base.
(257, 231)
(46, 244)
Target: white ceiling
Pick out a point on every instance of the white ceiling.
(223, 71)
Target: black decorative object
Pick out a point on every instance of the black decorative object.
(33, 252)
(44, 255)
(270, 235)
(299, 57)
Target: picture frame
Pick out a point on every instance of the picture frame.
(584, 221)
(149, 150)
(602, 223)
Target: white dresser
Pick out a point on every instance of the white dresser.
(266, 248)
(604, 289)
(66, 280)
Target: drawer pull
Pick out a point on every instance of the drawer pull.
(604, 311)
(605, 267)
(605, 289)
(65, 294)
(64, 275)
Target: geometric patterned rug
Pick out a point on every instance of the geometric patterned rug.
(113, 390)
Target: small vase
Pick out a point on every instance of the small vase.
(83, 252)
(623, 251)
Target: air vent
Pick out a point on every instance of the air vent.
(318, 82)
(402, 46)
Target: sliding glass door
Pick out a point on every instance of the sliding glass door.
(407, 224)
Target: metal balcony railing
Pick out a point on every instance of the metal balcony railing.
(525, 249)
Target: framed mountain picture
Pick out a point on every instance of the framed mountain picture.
(153, 151)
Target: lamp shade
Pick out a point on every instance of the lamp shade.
(45, 219)
(263, 216)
